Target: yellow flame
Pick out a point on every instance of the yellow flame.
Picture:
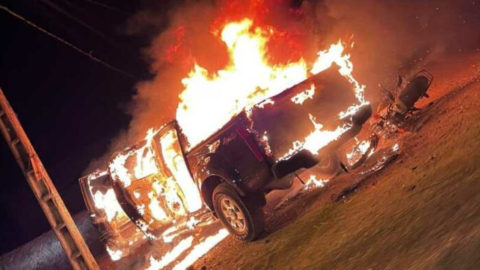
(108, 202)
(120, 171)
(115, 255)
(157, 211)
(316, 140)
(359, 150)
(313, 182)
(201, 249)
(335, 55)
(396, 147)
(171, 256)
(302, 96)
(209, 100)
(146, 164)
(319, 138)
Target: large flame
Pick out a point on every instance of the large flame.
(208, 101)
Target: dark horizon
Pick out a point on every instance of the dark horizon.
(69, 105)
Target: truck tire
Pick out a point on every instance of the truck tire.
(244, 223)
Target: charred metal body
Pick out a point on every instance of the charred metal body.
(235, 154)
(236, 166)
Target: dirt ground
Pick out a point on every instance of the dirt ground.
(420, 212)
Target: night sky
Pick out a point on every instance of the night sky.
(70, 106)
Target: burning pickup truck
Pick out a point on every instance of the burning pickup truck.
(165, 186)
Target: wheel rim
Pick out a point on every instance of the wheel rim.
(233, 214)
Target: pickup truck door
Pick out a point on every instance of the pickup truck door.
(153, 184)
(175, 164)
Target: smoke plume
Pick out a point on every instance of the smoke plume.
(388, 37)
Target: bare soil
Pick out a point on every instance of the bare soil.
(420, 212)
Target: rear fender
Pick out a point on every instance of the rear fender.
(216, 166)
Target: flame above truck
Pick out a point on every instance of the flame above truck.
(241, 133)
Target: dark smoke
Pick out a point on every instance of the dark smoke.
(402, 36)
(389, 37)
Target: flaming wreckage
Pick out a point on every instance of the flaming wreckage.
(163, 185)
(221, 165)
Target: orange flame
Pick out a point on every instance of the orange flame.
(313, 182)
(210, 99)
(201, 249)
(301, 97)
(171, 256)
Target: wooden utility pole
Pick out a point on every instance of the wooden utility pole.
(37, 177)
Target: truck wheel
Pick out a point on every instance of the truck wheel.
(244, 223)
